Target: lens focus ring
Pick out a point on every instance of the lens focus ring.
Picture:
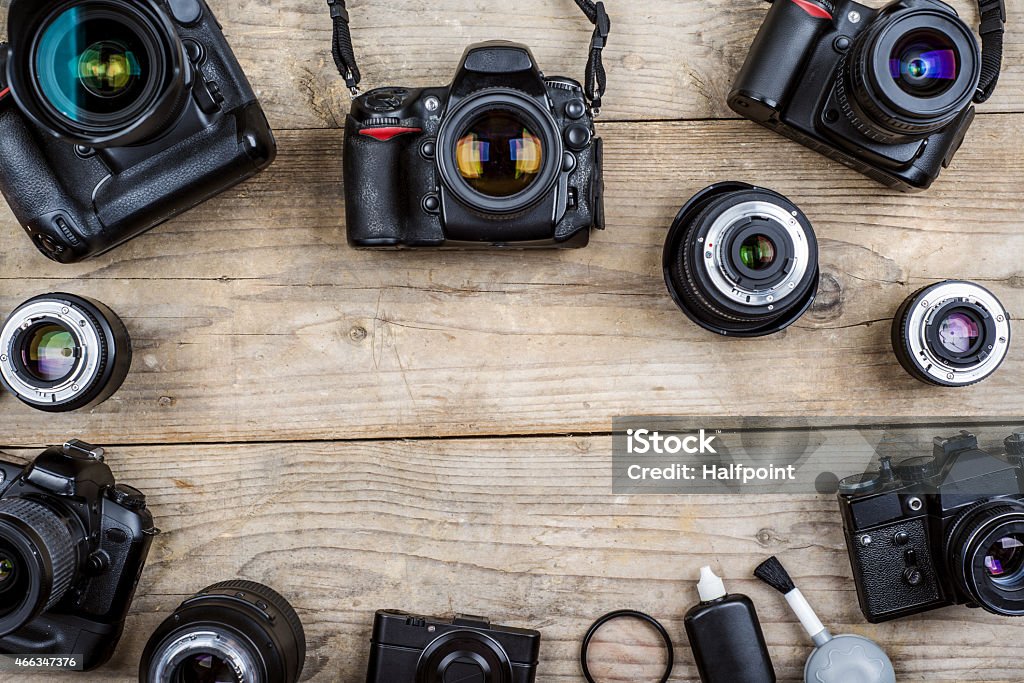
(44, 530)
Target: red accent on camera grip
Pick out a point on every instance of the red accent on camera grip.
(386, 133)
(4, 93)
(813, 8)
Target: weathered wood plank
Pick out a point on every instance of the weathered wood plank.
(516, 529)
(665, 59)
(253, 320)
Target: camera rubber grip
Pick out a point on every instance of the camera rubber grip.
(51, 540)
(373, 193)
(777, 56)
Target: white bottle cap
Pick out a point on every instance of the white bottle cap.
(710, 586)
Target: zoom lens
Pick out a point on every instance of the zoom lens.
(97, 72)
(951, 334)
(499, 152)
(986, 554)
(464, 656)
(37, 561)
(911, 73)
(231, 632)
(741, 260)
(60, 352)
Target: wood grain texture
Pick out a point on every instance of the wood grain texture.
(253, 320)
(665, 59)
(525, 531)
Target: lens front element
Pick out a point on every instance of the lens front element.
(924, 63)
(757, 252)
(1004, 561)
(96, 67)
(499, 155)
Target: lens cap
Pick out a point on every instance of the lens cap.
(741, 260)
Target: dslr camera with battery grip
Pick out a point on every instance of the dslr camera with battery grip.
(503, 157)
(72, 546)
(408, 648)
(939, 530)
(116, 115)
(887, 92)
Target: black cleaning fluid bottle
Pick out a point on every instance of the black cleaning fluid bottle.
(725, 636)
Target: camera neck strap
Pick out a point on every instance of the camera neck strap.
(993, 26)
(596, 78)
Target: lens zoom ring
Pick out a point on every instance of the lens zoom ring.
(55, 537)
(847, 107)
(275, 600)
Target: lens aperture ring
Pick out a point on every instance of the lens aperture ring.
(51, 540)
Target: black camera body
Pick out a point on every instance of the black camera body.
(935, 531)
(82, 182)
(851, 82)
(407, 648)
(72, 547)
(416, 175)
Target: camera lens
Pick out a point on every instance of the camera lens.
(469, 656)
(924, 63)
(60, 352)
(231, 632)
(741, 260)
(37, 561)
(909, 74)
(499, 152)
(986, 554)
(951, 334)
(499, 155)
(97, 72)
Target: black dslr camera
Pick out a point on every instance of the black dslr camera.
(946, 529)
(887, 92)
(407, 648)
(503, 157)
(72, 547)
(116, 115)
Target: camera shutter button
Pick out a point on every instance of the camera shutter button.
(578, 136)
(186, 12)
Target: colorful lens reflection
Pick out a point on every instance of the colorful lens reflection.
(49, 352)
(499, 155)
(757, 252)
(1004, 561)
(924, 63)
(959, 332)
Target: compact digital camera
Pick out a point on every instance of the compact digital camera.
(407, 648)
(116, 115)
(887, 92)
(72, 547)
(945, 529)
(503, 157)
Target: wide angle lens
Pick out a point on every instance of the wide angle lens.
(499, 155)
(60, 352)
(741, 260)
(911, 73)
(231, 632)
(97, 66)
(951, 333)
(37, 561)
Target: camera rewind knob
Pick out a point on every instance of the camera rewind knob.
(128, 497)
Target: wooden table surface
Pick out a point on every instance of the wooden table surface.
(430, 431)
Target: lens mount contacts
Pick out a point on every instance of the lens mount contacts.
(60, 352)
